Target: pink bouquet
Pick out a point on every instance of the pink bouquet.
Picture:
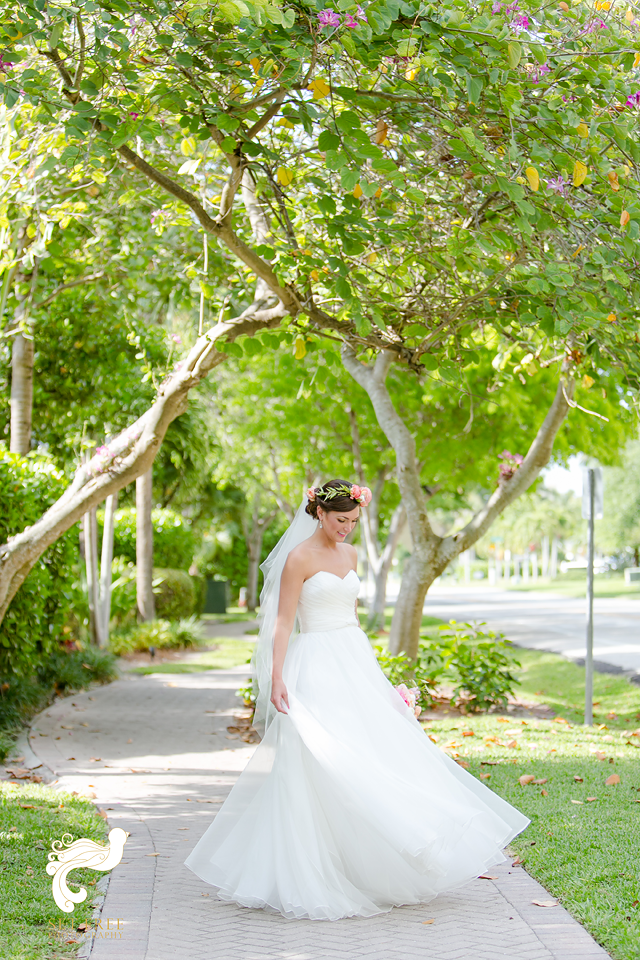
(411, 697)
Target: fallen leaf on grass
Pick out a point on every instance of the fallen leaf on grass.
(463, 763)
(487, 876)
(468, 733)
(103, 813)
(541, 781)
(612, 780)
(545, 903)
(599, 755)
(526, 778)
(560, 720)
(517, 862)
(485, 776)
(503, 720)
(428, 921)
(27, 806)
(489, 763)
(590, 799)
(544, 793)
(577, 801)
(578, 779)
(513, 744)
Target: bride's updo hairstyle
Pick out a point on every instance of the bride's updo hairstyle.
(337, 496)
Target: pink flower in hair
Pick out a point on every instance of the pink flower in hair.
(356, 491)
(365, 496)
(311, 493)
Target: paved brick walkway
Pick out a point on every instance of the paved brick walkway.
(156, 752)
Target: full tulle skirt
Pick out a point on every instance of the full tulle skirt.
(347, 808)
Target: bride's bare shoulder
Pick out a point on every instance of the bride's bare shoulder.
(300, 555)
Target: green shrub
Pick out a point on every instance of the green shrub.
(481, 662)
(175, 594)
(475, 662)
(161, 634)
(33, 624)
(173, 540)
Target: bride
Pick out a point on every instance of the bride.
(346, 808)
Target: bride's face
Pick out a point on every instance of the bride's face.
(338, 526)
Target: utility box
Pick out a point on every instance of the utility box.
(216, 597)
(632, 575)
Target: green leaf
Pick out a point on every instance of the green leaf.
(349, 179)
(514, 53)
(328, 141)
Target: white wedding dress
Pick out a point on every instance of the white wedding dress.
(347, 808)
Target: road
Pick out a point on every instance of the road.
(546, 621)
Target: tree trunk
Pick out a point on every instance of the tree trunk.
(21, 393)
(106, 560)
(254, 550)
(144, 547)
(381, 574)
(432, 553)
(90, 527)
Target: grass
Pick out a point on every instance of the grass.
(574, 584)
(32, 927)
(229, 652)
(583, 851)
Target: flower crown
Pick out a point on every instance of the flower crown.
(361, 494)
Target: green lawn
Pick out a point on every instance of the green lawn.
(32, 927)
(230, 652)
(584, 851)
(574, 584)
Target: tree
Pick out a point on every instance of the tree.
(457, 112)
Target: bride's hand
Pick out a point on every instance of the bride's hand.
(279, 696)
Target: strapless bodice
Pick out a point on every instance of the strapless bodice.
(327, 602)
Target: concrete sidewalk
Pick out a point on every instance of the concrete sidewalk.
(156, 752)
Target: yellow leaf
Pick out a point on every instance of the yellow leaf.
(624, 218)
(629, 18)
(612, 318)
(582, 130)
(381, 131)
(188, 147)
(357, 191)
(373, 256)
(284, 176)
(576, 252)
(587, 381)
(320, 88)
(532, 177)
(612, 177)
(579, 173)
(314, 275)
(605, 5)
(257, 85)
(612, 780)
(300, 349)
(411, 74)
(283, 122)
(636, 59)
(378, 193)
(255, 64)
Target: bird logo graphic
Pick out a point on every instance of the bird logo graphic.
(68, 854)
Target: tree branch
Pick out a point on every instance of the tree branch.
(509, 490)
(89, 278)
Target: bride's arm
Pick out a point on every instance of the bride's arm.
(290, 587)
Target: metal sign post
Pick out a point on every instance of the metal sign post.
(592, 497)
